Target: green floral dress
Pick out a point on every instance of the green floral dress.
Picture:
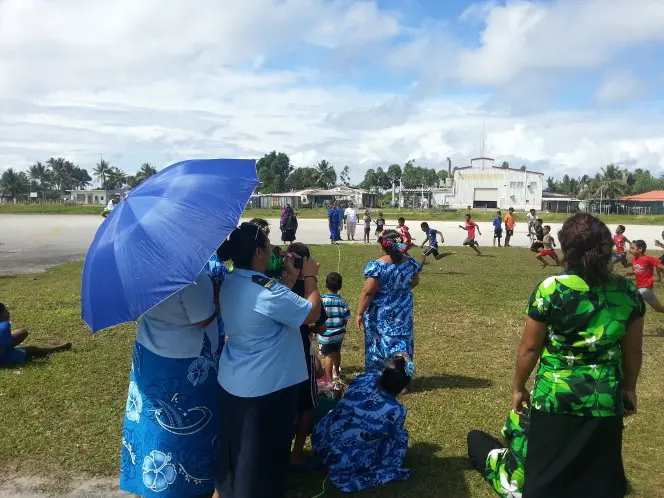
(505, 466)
(580, 368)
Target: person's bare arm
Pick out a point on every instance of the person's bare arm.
(371, 286)
(205, 323)
(631, 346)
(311, 294)
(478, 229)
(442, 239)
(415, 282)
(528, 353)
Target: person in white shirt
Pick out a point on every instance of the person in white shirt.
(532, 218)
(350, 215)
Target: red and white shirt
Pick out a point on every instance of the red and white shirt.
(643, 267)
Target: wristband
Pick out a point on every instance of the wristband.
(311, 276)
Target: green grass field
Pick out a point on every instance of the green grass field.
(63, 416)
(308, 213)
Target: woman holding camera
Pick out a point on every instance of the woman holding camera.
(261, 365)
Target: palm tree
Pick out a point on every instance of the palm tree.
(40, 173)
(610, 184)
(505, 165)
(147, 170)
(325, 177)
(102, 171)
(63, 172)
(115, 178)
(14, 184)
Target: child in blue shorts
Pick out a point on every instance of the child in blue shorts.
(10, 355)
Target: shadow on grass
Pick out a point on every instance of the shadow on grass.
(421, 384)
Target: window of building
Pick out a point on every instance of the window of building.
(516, 185)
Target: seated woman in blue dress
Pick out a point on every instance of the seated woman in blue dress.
(363, 441)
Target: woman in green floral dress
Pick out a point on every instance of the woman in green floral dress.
(585, 327)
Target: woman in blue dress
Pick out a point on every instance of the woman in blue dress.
(386, 305)
(171, 420)
(363, 441)
(333, 220)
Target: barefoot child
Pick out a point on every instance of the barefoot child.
(643, 269)
(509, 226)
(380, 224)
(431, 238)
(10, 354)
(548, 244)
(367, 226)
(620, 256)
(338, 314)
(363, 441)
(661, 258)
(497, 228)
(470, 227)
(404, 234)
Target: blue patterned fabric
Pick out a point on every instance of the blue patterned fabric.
(217, 272)
(171, 424)
(363, 441)
(388, 322)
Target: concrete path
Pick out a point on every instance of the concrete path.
(32, 243)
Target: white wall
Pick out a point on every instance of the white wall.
(518, 189)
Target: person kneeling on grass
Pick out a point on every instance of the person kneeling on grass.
(548, 244)
(10, 354)
(470, 227)
(363, 441)
(503, 467)
(643, 270)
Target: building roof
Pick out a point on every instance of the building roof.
(520, 170)
(555, 195)
(655, 195)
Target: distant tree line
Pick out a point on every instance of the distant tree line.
(611, 182)
(52, 178)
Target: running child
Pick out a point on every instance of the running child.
(367, 226)
(497, 228)
(13, 356)
(661, 258)
(509, 226)
(643, 269)
(470, 227)
(538, 229)
(404, 233)
(380, 224)
(548, 247)
(338, 314)
(620, 256)
(431, 238)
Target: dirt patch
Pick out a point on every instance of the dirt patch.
(79, 487)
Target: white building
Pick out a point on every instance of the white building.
(483, 185)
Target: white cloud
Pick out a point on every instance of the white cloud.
(164, 81)
(568, 34)
(621, 86)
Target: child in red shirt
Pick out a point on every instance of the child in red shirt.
(643, 269)
(404, 233)
(620, 256)
(470, 227)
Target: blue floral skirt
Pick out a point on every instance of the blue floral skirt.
(379, 348)
(171, 425)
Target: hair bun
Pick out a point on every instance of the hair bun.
(225, 250)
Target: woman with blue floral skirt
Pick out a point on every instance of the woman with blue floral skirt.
(172, 416)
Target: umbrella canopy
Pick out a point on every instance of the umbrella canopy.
(156, 241)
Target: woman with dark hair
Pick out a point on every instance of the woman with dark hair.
(288, 224)
(363, 441)
(261, 365)
(386, 304)
(585, 327)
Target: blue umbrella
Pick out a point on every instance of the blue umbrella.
(156, 241)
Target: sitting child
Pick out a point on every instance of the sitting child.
(502, 467)
(363, 441)
(10, 355)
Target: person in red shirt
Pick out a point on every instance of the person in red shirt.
(404, 233)
(620, 256)
(470, 227)
(643, 269)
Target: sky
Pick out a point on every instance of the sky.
(562, 86)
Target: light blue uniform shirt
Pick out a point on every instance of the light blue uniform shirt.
(168, 329)
(263, 351)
